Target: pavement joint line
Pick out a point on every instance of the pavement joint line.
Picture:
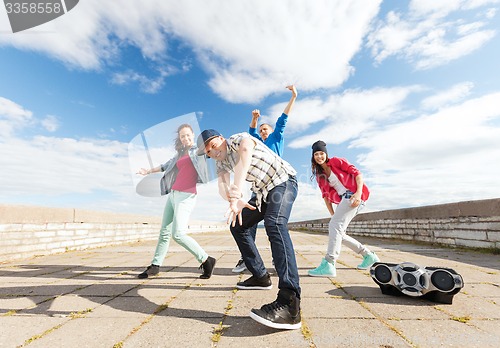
(159, 309)
(386, 323)
(46, 332)
(71, 316)
(480, 321)
(375, 314)
(305, 258)
(307, 332)
(218, 331)
(461, 319)
(36, 304)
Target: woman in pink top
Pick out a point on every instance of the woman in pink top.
(182, 172)
(340, 183)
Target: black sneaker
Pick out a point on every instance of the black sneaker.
(284, 313)
(254, 283)
(152, 270)
(208, 267)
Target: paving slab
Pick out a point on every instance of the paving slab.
(93, 298)
(354, 332)
(19, 330)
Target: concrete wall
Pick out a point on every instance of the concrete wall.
(469, 224)
(26, 231)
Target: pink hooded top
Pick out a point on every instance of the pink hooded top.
(346, 173)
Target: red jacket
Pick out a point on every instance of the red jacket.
(347, 174)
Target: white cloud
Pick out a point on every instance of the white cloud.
(344, 116)
(434, 50)
(80, 173)
(435, 158)
(423, 8)
(454, 94)
(50, 167)
(96, 174)
(13, 117)
(426, 37)
(146, 84)
(443, 157)
(309, 204)
(473, 4)
(50, 123)
(209, 204)
(243, 46)
(439, 156)
(491, 13)
(61, 165)
(410, 158)
(261, 61)
(88, 173)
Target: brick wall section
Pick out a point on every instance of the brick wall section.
(469, 224)
(26, 231)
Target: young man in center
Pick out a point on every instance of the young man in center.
(275, 187)
(272, 138)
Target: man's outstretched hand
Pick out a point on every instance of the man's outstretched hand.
(234, 210)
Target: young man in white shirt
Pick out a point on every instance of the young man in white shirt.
(275, 186)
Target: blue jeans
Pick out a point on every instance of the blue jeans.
(253, 229)
(275, 211)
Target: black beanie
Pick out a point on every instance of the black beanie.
(320, 145)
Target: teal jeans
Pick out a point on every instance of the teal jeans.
(175, 224)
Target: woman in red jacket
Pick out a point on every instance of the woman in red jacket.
(342, 184)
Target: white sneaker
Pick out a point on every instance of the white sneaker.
(240, 267)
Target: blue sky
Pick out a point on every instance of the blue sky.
(408, 91)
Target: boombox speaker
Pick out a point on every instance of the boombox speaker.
(433, 283)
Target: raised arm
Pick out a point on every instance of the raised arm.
(223, 183)
(252, 129)
(289, 106)
(245, 151)
(255, 118)
(236, 202)
(144, 171)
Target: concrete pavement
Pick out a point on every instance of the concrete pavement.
(93, 298)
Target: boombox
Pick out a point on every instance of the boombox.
(433, 283)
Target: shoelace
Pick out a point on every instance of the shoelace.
(249, 280)
(202, 266)
(273, 306)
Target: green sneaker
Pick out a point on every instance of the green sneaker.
(368, 260)
(325, 269)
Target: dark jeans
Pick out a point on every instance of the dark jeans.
(253, 229)
(275, 211)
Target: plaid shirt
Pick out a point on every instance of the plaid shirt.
(267, 169)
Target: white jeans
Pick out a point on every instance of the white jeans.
(336, 231)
